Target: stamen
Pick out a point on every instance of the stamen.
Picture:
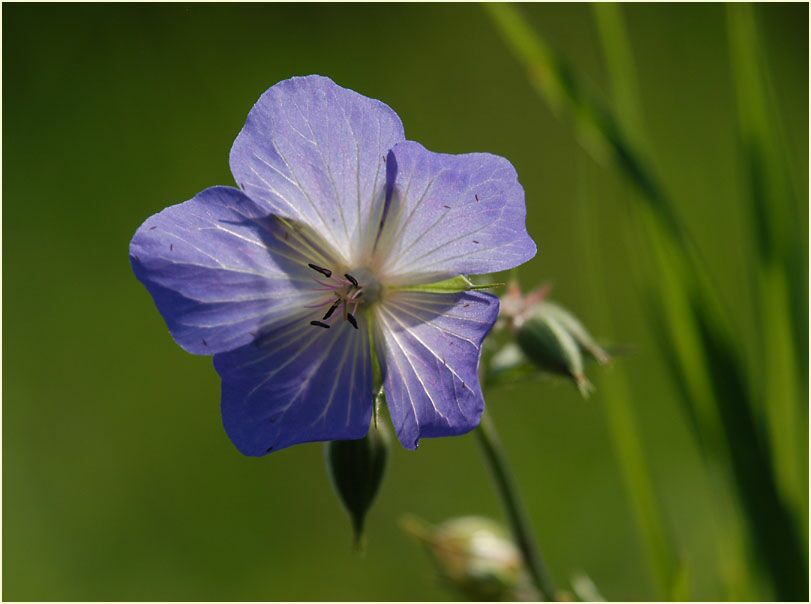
(324, 271)
(325, 285)
(319, 304)
(346, 295)
(332, 309)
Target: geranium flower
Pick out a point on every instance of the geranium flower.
(320, 260)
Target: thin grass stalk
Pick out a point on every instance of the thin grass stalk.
(710, 359)
(621, 70)
(595, 128)
(671, 313)
(617, 403)
(781, 288)
(738, 581)
(686, 345)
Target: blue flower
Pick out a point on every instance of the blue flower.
(296, 279)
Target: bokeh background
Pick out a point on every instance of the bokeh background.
(118, 481)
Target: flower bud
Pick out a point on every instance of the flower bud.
(585, 341)
(356, 470)
(584, 588)
(475, 557)
(549, 345)
(548, 336)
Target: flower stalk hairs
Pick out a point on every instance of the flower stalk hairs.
(337, 259)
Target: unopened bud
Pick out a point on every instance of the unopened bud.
(475, 556)
(549, 346)
(356, 469)
(585, 589)
(555, 341)
(587, 344)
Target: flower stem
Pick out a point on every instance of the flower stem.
(496, 459)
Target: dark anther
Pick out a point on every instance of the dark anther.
(152, 228)
(477, 197)
(444, 206)
(474, 241)
(324, 271)
(332, 310)
(352, 320)
(319, 324)
(352, 280)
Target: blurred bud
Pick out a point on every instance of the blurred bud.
(584, 588)
(549, 336)
(548, 344)
(587, 344)
(356, 470)
(475, 557)
(508, 359)
(516, 306)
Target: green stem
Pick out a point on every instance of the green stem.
(522, 532)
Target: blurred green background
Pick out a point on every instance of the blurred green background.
(119, 483)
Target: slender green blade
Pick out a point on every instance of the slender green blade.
(781, 294)
(697, 332)
(617, 403)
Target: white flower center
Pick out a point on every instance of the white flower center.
(344, 294)
(368, 283)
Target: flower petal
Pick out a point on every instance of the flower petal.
(297, 384)
(429, 347)
(315, 152)
(220, 269)
(451, 215)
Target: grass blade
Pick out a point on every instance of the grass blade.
(781, 294)
(615, 394)
(697, 334)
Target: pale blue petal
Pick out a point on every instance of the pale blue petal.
(315, 152)
(429, 347)
(220, 269)
(451, 215)
(297, 383)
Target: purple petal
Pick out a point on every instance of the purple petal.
(451, 215)
(314, 152)
(430, 346)
(220, 270)
(299, 383)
